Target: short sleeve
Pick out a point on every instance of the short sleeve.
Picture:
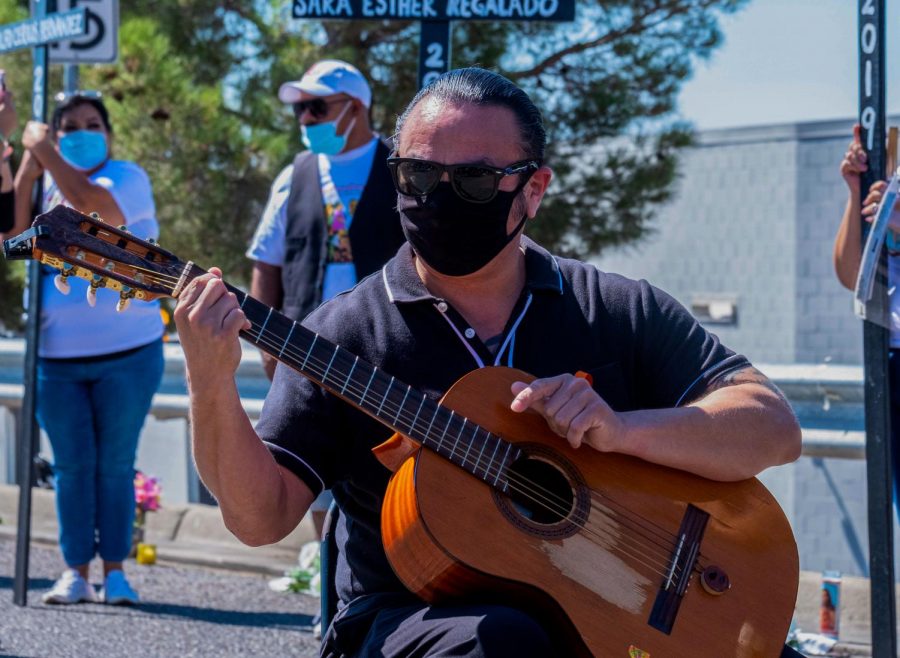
(678, 358)
(130, 187)
(268, 241)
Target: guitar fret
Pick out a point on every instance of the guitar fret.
(459, 436)
(481, 452)
(246, 297)
(418, 411)
(309, 352)
(263, 327)
(287, 340)
(349, 374)
(444, 433)
(469, 446)
(384, 398)
(503, 466)
(325, 374)
(374, 370)
(437, 408)
(402, 402)
(491, 460)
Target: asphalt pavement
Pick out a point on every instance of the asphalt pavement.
(184, 611)
(208, 595)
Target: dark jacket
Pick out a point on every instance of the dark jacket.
(375, 233)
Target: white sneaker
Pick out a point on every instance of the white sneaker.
(117, 591)
(70, 588)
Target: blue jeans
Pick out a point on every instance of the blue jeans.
(93, 411)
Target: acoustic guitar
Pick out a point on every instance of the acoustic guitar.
(618, 557)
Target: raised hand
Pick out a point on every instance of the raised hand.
(855, 162)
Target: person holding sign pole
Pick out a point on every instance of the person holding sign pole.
(621, 367)
(331, 218)
(98, 368)
(848, 249)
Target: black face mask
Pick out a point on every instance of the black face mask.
(454, 236)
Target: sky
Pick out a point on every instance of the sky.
(784, 61)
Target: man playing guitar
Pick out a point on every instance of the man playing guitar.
(621, 368)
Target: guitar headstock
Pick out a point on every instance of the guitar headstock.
(87, 247)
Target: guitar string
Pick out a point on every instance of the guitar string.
(559, 507)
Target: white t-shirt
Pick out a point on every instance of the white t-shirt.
(349, 171)
(69, 326)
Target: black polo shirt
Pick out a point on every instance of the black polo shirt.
(643, 349)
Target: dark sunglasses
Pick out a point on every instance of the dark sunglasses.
(317, 107)
(472, 182)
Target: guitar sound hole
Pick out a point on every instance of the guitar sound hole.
(539, 491)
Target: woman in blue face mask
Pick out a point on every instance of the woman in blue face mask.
(97, 368)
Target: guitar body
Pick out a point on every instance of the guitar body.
(599, 574)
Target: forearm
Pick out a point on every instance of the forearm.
(258, 505)
(848, 243)
(78, 189)
(24, 186)
(731, 434)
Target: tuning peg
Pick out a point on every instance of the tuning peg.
(123, 227)
(96, 215)
(61, 284)
(61, 280)
(96, 282)
(124, 299)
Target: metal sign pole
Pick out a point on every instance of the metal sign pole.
(434, 50)
(876, 344)
(29, 431)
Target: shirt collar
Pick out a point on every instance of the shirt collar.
(403, 284)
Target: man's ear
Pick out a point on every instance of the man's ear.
(536, 188)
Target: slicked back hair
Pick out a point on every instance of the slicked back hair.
(477, 86)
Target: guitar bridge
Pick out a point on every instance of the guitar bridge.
(681, 565)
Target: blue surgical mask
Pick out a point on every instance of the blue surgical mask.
(84, 149)
(323, 138)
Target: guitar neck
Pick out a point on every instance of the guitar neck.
(395, 404)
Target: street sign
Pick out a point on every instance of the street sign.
(41, 30)
(100, 42)
(435, 17)
(437, 10)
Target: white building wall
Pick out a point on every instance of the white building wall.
(753, 219)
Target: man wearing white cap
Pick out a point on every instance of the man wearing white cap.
(331, 217)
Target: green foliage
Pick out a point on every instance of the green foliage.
(192, 99)
(12, 282)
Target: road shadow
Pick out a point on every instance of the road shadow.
(33, 583)
(286, 620)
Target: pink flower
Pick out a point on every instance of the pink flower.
(147, 492)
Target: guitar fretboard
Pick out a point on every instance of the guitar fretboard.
(397, 405)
